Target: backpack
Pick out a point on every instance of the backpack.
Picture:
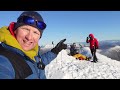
(22, 69)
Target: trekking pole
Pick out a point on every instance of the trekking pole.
(53, 44)
(93, 57)
(93, 61)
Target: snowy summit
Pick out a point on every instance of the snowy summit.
(67, 67)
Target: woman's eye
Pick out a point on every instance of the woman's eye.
(25, 29)
(37, 33)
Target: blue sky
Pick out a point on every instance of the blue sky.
(75, 26)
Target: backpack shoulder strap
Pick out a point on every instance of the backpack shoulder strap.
(22, 69)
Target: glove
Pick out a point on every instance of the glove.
(59, 47)
(87, 40)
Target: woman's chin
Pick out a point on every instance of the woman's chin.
(26, 48)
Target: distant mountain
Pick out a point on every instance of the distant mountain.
(107, 47)
(113, 53)
(46, 48)
(110, 48)
(106, 44)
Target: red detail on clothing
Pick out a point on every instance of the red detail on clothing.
(80, 58)
(11, 28)
(93, 42)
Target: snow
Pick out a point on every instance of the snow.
(67, 67)
(46, 48)
(113, 53)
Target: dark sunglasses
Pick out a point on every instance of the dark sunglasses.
(32, 21)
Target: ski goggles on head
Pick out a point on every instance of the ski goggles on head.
(31, 21)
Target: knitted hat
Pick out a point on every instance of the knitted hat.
(36, 17)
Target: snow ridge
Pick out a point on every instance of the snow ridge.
(67, 67)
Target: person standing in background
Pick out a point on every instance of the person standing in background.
(93, 46)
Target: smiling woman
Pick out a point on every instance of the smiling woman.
(27, 36)
(20, 57)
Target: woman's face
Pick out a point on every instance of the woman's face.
(27, 36)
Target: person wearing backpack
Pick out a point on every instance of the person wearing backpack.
(93, 46)
(19, 51)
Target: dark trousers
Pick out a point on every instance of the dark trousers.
(93, 52)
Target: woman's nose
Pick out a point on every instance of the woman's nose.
(29, 36)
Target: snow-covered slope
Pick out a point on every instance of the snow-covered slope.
(113, 53)
(46, 48)
(67, 67)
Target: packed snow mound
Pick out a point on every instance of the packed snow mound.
(86, 51)
(67, 67)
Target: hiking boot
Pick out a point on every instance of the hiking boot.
(88, 58)
(93, 61)
(96, 61)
